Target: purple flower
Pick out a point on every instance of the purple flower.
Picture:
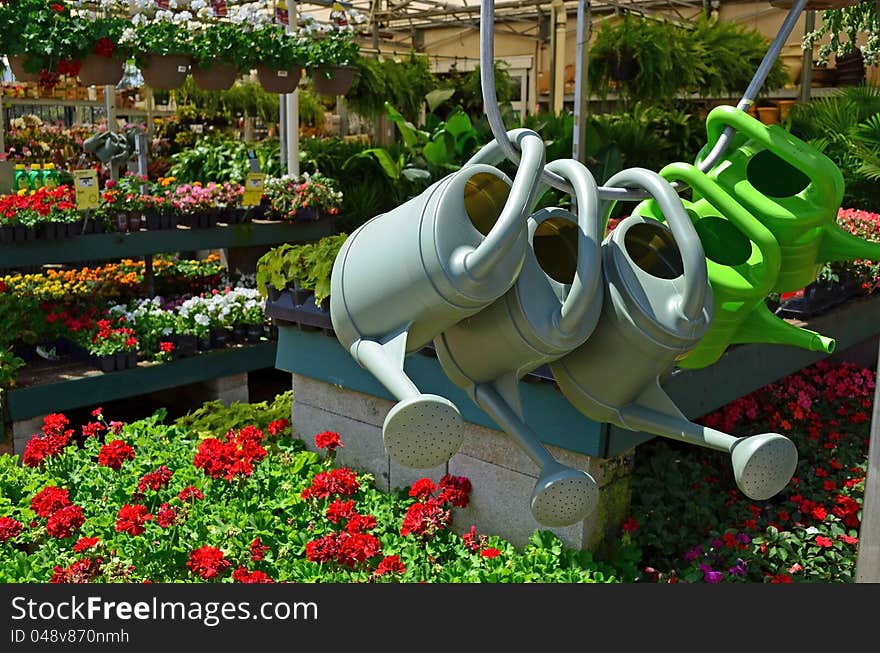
(742, 538)
(739, 569)
(717, 543)
(713, 577)
(693, 554)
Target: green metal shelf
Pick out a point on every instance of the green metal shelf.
(742, 369)
(76, 385)
(94, 247)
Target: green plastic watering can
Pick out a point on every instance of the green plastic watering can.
(657, 308)
(743, 261)
(404, 277)
(550, 310)
(792, 188)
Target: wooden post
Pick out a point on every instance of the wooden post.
(807, 66)
(868, 561)
(581, 82)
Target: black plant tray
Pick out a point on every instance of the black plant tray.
(817, 301)
(284, 307)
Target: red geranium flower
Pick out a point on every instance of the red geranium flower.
(390, 565)
(104, 47)
(155, 480)
(631, 525)
(278, 426)
(258, 550)
(81, 571)
(114, 453)
(339, 510)
(92, 429)
(455, 490)
(361, 524)
(425, 519)
(423, 488)
(824, 542)
(242, 575)
(166, 515)
(208, 562)
(131, 519)
(64, 521)
(490, 552)
(9, 528)
(85, 543)
(848, 539)
(190, 492)
(58, 8)
(49, 500)
(341, 481)
(355, 548)
(322, 550)
(328, 440)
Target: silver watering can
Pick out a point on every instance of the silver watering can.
(551, 309)
(405, 276)
(658, 305)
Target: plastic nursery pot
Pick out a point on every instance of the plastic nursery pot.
(217, 76)
(278, 81)
(165, 71)
(134, 221)
(17, 63)
(254, 333)
(219, 338)
(107, 363)
(239, 333)
(204, 343)
(332, 80)
(98, 70)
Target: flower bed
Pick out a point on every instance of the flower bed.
(147, 502)
(692, 525)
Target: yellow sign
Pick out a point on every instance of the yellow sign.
(253, 189)
(86, 187)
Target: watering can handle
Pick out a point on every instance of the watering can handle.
(690, 248)
(588, 272)
(822, 172)
(730, 209)
(511, 224)
(492, 153)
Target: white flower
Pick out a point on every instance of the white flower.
(812, 530)
(202, 319)
(195, 5)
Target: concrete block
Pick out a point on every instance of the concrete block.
(229, 389)
(23, 430)
(342, 401)
(499, 504)
(495, 447)
(401, 477)
(362, 448)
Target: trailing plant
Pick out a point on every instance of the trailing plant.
(221, 42)
(402, 83)
(214, 418)
(860, 19)
(45, 32)
(271, 46)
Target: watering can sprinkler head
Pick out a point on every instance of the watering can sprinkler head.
(409, 274)
(763, 464)
(563, 496)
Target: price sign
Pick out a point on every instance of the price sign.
(219, 7)
(281, 14)
(253, 189)
(86, 189)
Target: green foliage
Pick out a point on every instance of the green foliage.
(337, 48)
(709, 57)
(161, 37)
(468, 90)
(859, 22)
(214, 418)
(219, 158)
(309, 265)
(271, 46)
(9, 364)
(846, 128)
(34, 28)
(403, 84)
(220, 41)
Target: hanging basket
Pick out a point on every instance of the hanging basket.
(333, 80)
(98, 70)
(817, 5)
(279, 81)
(623, 68)
(16, 63)
(165, 71)
(219, 76)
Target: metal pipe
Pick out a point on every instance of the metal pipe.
(496, 123)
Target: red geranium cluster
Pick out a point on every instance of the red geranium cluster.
(166, 515)
(114, 453)
(54, 438)
(242, 575)
(233, 456)
(432, 514)
(278, 426)
(345, 548)
(328, 440)
(84, 570)
(9, 528)
(42, 205)
(155, 480)
(131, 519)
(190, 492)
(341, 481)
(63, 517)
(208, 562)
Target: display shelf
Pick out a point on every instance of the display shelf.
(741, 370)
(47, 386)
(94, 247)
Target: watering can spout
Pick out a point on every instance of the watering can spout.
(479, 262)
(838, 245)
(763, 326)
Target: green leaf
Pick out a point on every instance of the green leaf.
(437, 97)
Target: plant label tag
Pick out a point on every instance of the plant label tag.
(282, 73)
(219, 7)
(281, 14)
(162, 4)
(85, 184)
(182, 69)
(253, 189)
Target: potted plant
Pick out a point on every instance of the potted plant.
(278, 56)
(39, 40)
(304, 198)
(163, 50)
(217, 51)
(113, 346)
(333, 56)
(854, 20)
(101, 54)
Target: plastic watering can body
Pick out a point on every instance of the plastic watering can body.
(792, 188)
(658, 305)
(405, 276)
(743, 261)
(551, 309)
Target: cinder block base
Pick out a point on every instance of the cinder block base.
(228, 389)
(23, 430)
(501, 474)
